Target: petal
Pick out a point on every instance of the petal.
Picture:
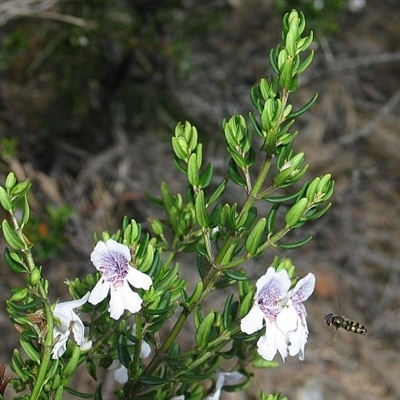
(214, 396)
(64, 311)
(287, 320)
(60, 346)
(139, 279)
(267, 347)
(145, 350)
(265, 278)
(98, 253)
(123, 298)
(86, 345)
(116, 306)
(273, 291)
(116, 247)
(253, 321)
(132, 301)
(102, 250)
(279, 279)
(78, 330)
(303, 289)
(99, 292)
(121, 375)
(273, 341)
(281, 343)
(232, 378)
(298, 340)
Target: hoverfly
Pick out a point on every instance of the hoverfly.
(339, 321)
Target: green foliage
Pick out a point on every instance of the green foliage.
(219, 233)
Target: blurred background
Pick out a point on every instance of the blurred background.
(91, 91)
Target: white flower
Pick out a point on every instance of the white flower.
(69, 322)
(112, 259)
(225, 378)
(283, 312)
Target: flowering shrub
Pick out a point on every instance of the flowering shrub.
(120, 315)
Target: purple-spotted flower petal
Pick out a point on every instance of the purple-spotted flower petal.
(283, 313)
(112, 259)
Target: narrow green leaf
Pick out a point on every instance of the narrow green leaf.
(227, 313)
(197, 293)
(18, 295)
(146, 263)
(235, 175)
(204, 330)
(11, 180)
(5, 200)
(11, 237)
(80, 395)
(21, 188)
(29, 349)
(59, 393)
(303, 109)
(318, 214)
(14, 262)
(305, 64)
(193, 171)
(246, 304)
(123, 352)
(24, 308)
(282, 199)
(254, 239)
(179, 147)
(271, 218)
(17, 365)
(201, 212)
(206, 176)
(25, 212)
(273, 59)
(295, 245)
(167, 197)
(323, 183)
(235, 275)
(219, 190)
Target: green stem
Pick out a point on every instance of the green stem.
(251, 199)
(159, 356)
(45, 359)
(38, 290)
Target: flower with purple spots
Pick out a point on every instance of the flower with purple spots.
(112, 259)
(283, 312)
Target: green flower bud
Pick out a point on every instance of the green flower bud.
(35, 276)
(294, 214)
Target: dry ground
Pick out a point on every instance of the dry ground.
(352, 132)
